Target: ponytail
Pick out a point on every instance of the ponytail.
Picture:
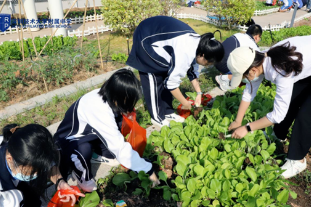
(282, 59)
(7, 132)
(210, 48)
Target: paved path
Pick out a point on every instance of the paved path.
(264, 20)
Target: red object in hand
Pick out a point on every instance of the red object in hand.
(185, 113)
(55, 201)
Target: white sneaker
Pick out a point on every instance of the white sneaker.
(224, 82)
(174, 117)
(160, 124)
(86, 186)
(101, 159)
(293, 167)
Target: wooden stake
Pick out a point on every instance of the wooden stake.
(33, 43)
(55, 31)
(100, 52)
(22, 36)
(2, 5)
(84, 17)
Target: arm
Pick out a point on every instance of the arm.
(62, 185)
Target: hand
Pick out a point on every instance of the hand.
(198, 100)
(154, 179)
(240, 132)
(66, 198)
(187, 106)
(234, 125)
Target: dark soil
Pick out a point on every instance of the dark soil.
(155, 198)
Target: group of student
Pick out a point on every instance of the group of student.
(288, 4)
(164, 51)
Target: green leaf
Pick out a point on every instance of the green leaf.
(186, 196)
(120, 178)
(251, 173)
(195, 203)
(215, 185)
(254, 190)
(283, 196)
(226, 185)
(211, 193)
(183, 159)
(191, 185)
(137, 191)
(108, 202)
(167, 194)
(206, 202)
(162, 176)
(199, 170)
(293, 194)
(175, 197)
(265, 155)
(168, 146)
(90, 200)
(214, 153)
(239, 187)
(181, 169)
(271, 148)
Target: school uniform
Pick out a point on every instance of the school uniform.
(292, 100)
(235, 41)
(14, 193)
(90, 124)
(164, 52)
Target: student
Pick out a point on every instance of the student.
(288, 65)
(270, 2)
(300, 3)
(250, 39)
(93, 123)
(28, 157)
(164, 51)
(287, 5)
(309, 6)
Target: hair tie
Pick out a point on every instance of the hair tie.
(212, 38)
(14, 129)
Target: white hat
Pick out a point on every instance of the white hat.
(240, 59)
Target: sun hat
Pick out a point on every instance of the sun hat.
(240, 59)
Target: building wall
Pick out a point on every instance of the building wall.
(43, 6)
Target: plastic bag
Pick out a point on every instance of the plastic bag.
(137, 135)
(55, 201)
(185, 113)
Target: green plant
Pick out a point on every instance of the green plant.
(120, 57)
(284, 34)
(90, 200)
(125, 15)
(233, 11)
(261, 5)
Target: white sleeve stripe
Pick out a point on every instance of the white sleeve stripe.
(153, 97)
(73, 118)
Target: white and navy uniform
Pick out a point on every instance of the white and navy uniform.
(164, 51)
(90, 124)
(292, 100)
(14, 193)
(231, 43)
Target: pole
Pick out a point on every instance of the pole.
(100, 52)
(294, 15)
(84, 17)
(2, 5)
(22, 36)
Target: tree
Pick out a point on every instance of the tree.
(231, 11)
(170, 7)
(125, 15)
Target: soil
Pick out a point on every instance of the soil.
(155, 198)
(37, 88)
(306, 21)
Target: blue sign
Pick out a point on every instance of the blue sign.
(5, 21)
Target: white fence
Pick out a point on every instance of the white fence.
(89, 31)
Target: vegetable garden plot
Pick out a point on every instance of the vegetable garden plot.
(207, 171)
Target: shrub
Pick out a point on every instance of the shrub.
(125, 15)
(231, 11)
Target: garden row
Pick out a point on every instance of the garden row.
(198, 167)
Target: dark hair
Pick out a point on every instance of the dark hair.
(254, 30)
(121, 91)
(33, 145)
(281, 60)
(212, 49)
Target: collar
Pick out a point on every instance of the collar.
(252, 39)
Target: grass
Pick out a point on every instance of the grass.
(261, 5)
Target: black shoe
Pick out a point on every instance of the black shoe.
(309, 11)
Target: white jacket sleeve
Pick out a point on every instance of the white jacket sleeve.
(10, 198)
(248, 94)
(284, 89)
(106, 128)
